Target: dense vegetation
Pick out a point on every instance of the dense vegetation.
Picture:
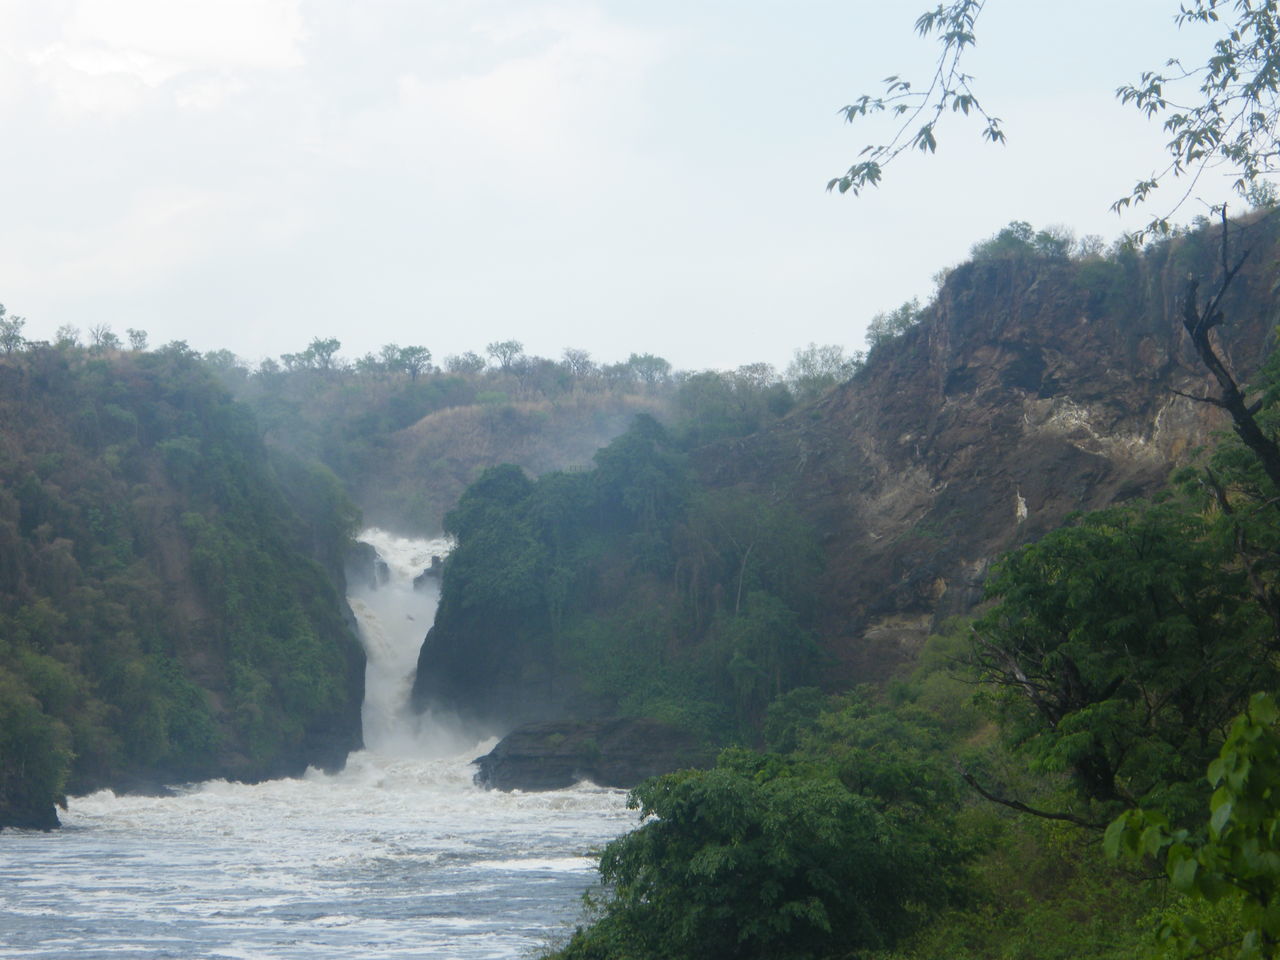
(1114, 663)
(166, 612)
(628, 590)
(406, 437)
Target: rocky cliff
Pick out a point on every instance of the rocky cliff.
(1031, 389)
(676, 584)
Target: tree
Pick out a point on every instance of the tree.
(1221, 115)
(889, 325)
(578, 362)
(1119, 647)
(414, 360)
(66, 336)
(11, 339)
(505, 352)
(763, 859)
(389, 357)
(464, 363)
(648, 368)
(815, 369)
(321, 353)
(137, 339)
(1237, 859)
(103, 338)
(1020, 239)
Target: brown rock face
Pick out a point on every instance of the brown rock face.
(1024, 396)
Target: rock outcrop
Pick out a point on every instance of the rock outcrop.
(1023, 396)
(614, 753)
(1033, 388)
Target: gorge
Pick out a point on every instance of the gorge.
(635, 579)
(400, 853)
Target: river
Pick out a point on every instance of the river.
(399, 855)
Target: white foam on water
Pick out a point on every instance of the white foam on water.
(398, 855)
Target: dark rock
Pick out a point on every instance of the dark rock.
(361, 564)
(30, 817)
(612, 753)
(431, 573)
(1013, 404)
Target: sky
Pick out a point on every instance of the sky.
(611, 176)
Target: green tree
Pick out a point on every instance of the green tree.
(762, 858)
(465, 363)
(649, 369)
(894, 323)
(414, 360)
(1119, 647)
(578, 363)
(11, 325)
(102, 338)
(816, 369)
(506, 353)
(1236, 861)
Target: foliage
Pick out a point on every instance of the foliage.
(1119, 648)
(887, 326)
(163, 609)
(11, 331)
(1238, 863)
(949, 90)
(1019, 238)
(626, 585)
(506, 353)
(816, 369)
(1222, 114)
(765, 857)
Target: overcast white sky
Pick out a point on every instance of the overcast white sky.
(614, 176)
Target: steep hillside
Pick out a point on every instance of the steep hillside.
(1033, 387)
(165, 612)
(675, 581)
(423, 469)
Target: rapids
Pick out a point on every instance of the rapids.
(399, 855)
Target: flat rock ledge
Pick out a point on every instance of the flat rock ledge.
(610, 753)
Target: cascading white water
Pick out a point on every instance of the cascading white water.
(399, 855)
(394, 608)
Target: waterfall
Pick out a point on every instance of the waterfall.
(399, 855)
(394, 608)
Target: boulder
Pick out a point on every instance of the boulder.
(431, 573)
(610, 753)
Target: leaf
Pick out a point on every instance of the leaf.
(1183, 876)
(1221, 816)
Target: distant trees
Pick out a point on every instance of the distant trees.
(469, 362)
(11, 325)
(321, 355)
(505, 353)
(715, 404)
(102, 338)
(578, 363)
(648, 369)
(816, 369)
(1019, 238)
(393, 358)
(890, 324)
(414, 360)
